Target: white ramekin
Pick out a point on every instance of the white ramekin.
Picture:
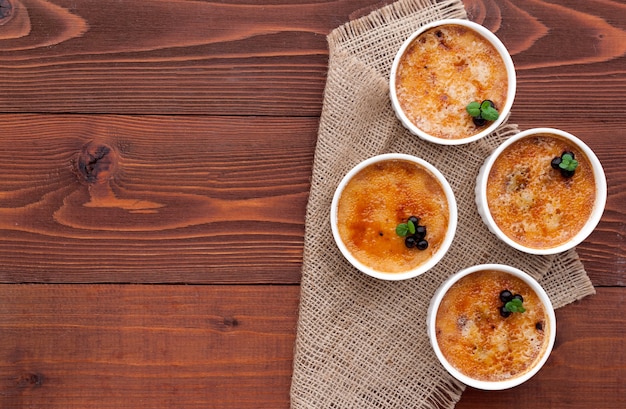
(491, 385)
(596, 213)
(449, 236)
(504, 111)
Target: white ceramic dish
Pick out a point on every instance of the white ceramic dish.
(449, 235)
(481, 384)
(504, 111)
(596, 213)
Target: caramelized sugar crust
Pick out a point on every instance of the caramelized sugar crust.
(477, 340)
(442, 71)
(532, 203)
(380, 197)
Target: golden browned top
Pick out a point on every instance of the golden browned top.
(477, 340)
(442, 71)
(534, 204)
(380, 197)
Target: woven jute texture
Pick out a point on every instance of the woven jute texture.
(362, 342)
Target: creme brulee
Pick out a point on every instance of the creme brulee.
(534, 204)
(441, 72)
(478, 341)
(377, 199)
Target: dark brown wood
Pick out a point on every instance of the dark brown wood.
(186, 199)
(138, 346)
(206, 58)
(130, 346)
(191, 199)
(171, 143)
(182, 186)
(176, 56)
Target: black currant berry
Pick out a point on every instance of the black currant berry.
(506, 296)
(479, 120)
(410, 242)
(415, 220)
(422, 244)
(504, 312)
(556, 162)
(567, 173)
(420, 232)
(519, 297)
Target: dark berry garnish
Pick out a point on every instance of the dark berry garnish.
(414, 234)
(410, 242)
(566, 164)
(504, 312)
(422, 244)
(420, 232)
(479, 120)
(506, 296)
(510, 303)
(539, 326)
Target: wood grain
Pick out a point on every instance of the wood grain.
(191, 199)
(168, 56)
(181, 188)
(122, 346)
(233, 58)
(146, 346)
(175, 200)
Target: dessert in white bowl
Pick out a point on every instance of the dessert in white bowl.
(491, 326)
(452, 82)
(542, 191)
(393, 216)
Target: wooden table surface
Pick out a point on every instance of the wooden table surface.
(155, 159)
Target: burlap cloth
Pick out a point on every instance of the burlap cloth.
(362, 342)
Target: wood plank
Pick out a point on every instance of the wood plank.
(186, 199)
(253, 58)
(147, 346)
(192, 199)
(126, 346)
(160, 56)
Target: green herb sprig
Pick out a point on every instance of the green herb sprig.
(568, 162)
(404, 229)
(482, 111)
(515, 305)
